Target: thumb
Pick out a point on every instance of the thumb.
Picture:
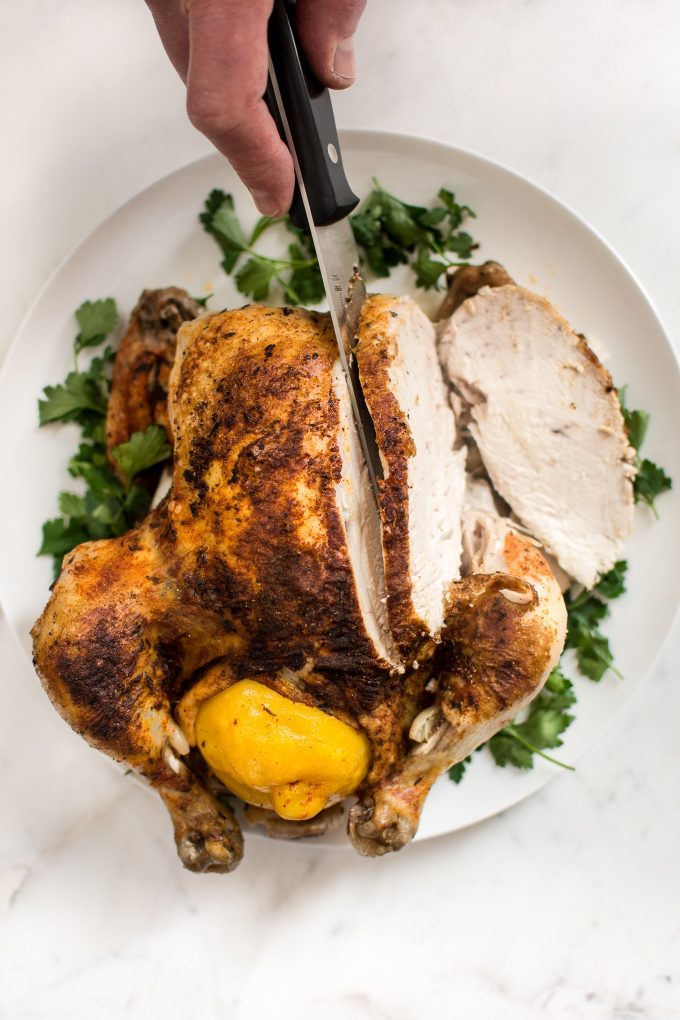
(326, 29)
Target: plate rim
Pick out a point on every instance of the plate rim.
(349, 133)
(361, 136)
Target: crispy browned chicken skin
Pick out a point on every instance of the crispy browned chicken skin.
(141, 372)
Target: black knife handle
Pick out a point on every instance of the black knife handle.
(312, 125)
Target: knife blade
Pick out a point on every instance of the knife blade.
(302, 110)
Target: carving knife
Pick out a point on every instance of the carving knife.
(302, 110)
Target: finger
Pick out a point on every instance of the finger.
(226, 80)
(326, 29)
(172, 27)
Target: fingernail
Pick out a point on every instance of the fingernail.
(266, 203)
(344, 64)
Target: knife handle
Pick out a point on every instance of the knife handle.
(311, 123)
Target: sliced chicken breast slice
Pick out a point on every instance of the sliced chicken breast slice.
(424, 474)
(547, 421)
(356, 506)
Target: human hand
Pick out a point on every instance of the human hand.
(219, 49)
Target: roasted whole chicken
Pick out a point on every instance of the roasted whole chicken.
(261, 632)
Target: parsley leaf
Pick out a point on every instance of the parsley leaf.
(651, 480)
(456, 212)
(256, 276)
(457, 771)
(71, 505)
(593, 654)
(636, 421)
(220, 221)
(391, 232)
(297, 276)
(96, 320)
(304, 285)
(585, 612)
(613, 584)
(427, 270)
(60, 536)
(462, 244)
(142, 450)
(507, 749)
(67, 401)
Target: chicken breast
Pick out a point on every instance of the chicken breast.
(547, 421)
(267, 468)
(424, 475)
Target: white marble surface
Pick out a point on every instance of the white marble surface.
(565, 907)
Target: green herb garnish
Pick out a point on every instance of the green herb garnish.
(70, 400)
(387, 231)
(142, 450)
(297, 275)
(96, 320)
(585, 612)
(457, 771)
(106, 507)
(392, 232)
(651, 480)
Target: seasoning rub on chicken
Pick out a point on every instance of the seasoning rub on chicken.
(262, 632)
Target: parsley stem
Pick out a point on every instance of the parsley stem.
(579, 599)
(652, 507)
(264, 224)
(282, 263)
(510, 729)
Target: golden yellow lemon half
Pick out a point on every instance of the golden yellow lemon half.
(278, 753)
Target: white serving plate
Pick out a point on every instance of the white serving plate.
(155, 240)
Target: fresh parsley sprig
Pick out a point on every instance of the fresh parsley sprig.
(297, 275)
(585, 612)
(106, 506)
(391, 232)
(96, 320)
(387, 231)
(142, 451)
(651, 480)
